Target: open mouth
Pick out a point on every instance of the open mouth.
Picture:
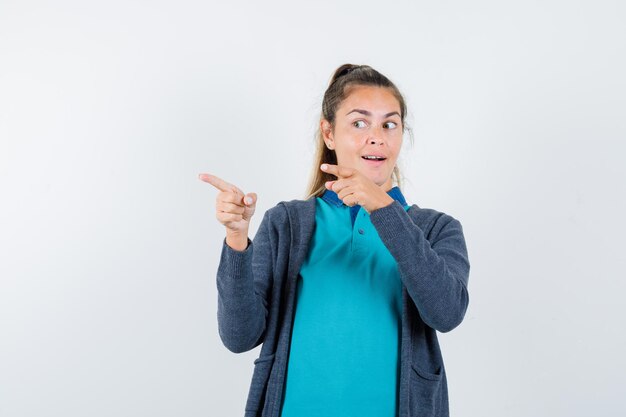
(373, 158)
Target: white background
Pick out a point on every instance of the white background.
(109, 243)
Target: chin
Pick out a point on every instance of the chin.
(379, 182)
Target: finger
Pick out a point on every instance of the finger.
(347, 194)
(229, 197)
(219, 183)
(354, 201)
(344, 197)
(338, 185)
(250, 199)
(337, 170)
(227, 207)
(229, 217)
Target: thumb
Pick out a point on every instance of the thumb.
(250, 199)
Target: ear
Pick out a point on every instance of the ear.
(327, 133)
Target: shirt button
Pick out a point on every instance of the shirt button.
(361, 231)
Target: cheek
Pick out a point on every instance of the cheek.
(395, 151)
(348, 149)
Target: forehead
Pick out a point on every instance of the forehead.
(375, 99)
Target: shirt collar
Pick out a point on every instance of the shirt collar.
(331, 197)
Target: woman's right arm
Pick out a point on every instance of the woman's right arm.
(244, 273)
(244, 279)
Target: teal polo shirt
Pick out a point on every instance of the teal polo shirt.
(345, 343)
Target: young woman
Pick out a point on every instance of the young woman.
(346, 289)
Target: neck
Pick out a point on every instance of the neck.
(388, 185)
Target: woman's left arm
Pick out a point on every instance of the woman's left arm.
(436, 271)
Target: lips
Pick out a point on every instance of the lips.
(373, 162)
(378, 157)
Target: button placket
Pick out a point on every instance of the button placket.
(359, 231)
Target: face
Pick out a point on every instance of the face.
(367, 123)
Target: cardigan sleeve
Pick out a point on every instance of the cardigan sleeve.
(435, 272)
(243, 285)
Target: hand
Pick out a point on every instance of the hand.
(233, 209)
(353, 188)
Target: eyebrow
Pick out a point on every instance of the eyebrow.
(367, 113)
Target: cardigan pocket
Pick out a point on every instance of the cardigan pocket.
(258, 386)
(425, 392)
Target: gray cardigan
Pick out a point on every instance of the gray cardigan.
(256, 298)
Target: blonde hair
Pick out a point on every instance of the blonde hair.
(343, 80)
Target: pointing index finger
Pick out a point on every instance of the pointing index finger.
(336, 170)
(219, 183)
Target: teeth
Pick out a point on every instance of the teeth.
(373, 157)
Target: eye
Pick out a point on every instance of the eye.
(391, 123)
(358, 121)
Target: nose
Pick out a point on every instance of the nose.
(376, 137)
